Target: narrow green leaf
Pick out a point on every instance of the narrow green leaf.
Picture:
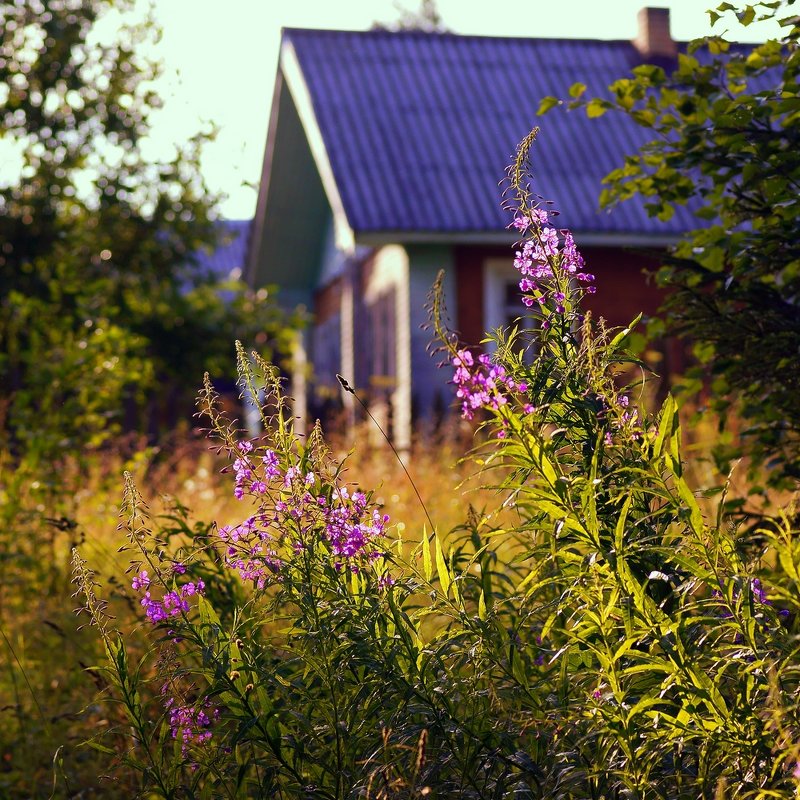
(665, 425)
(101, 748)
(619, 531)
(427, 566)
(441, 567)
(541, 459)
(695, 515)
(623, 333)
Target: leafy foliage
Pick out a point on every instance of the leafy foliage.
(601, 632)
(106, 322)
(726, 142)
(101, 301)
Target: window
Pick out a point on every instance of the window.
(502, 299)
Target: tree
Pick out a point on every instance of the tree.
(426, 19)
(101, 301)
(727, 141)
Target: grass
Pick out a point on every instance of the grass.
(49, 698)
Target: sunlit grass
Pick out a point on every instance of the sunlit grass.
(45, 688)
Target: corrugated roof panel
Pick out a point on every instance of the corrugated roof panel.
(226, 262)
(420, 128)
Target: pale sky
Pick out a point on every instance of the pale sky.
(220, 59)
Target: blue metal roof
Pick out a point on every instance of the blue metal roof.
(419, 128)
(227, 260)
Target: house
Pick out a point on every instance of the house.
(383, 161)
(226, 261)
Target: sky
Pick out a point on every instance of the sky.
(220, 60)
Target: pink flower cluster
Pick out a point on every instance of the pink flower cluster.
(190, 724)
(351, 527)
(293, 508)
(544, 251)
(172, 603)
(626, 419)
(482, 384)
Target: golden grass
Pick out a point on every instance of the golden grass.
(50, 652)
(47, 720)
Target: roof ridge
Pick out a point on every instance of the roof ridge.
(449, 35)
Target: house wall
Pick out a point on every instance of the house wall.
(326, 354)
(431, 394)
(623, 288)
(623, 291)
(393, 367)
(332, 259)
(331, 337)
(384, 345)
(396, 370)
(626, 287)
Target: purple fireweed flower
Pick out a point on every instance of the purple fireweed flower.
(546, 253)
(481, 383)
(521, 223)
(384, 582)
(190, 724)
(154, 611)
(759, 594)
(172, 603)
(539, 215)
(291, 515)
(192, 587)
(242, 467)
(141, 581)
(270, 461)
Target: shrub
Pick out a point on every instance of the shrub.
(598, 633)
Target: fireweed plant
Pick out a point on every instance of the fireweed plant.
(598, 634)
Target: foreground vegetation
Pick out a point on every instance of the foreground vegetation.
(606, 617)
(592, 633)
(50, 703)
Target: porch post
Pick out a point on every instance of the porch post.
(299, 384)
(347, 343)
(401, 398)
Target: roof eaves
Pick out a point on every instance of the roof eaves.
(583, 238)
(256, 230)
(293, 74)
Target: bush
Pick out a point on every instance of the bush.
(598, 633)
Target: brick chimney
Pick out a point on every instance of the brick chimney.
(653, 41)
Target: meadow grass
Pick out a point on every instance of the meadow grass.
(46, 688)
(51, 699)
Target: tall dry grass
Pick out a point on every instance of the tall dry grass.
(47, 685)
(49, 693)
